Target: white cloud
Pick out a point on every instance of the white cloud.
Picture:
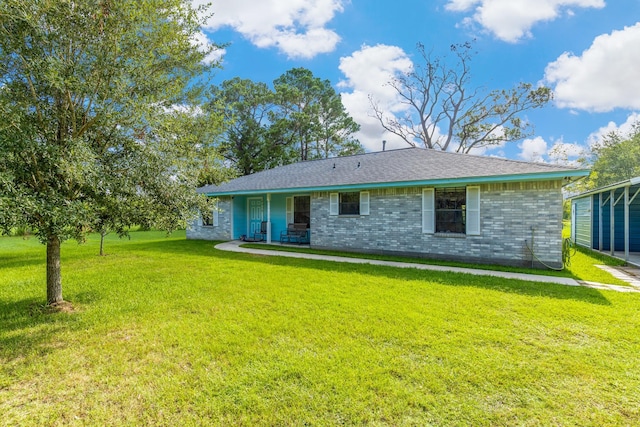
(566, 153)
(572, 153)
(624, 129)
(202, 42)
(295, 27)
(192, 110)
(533, 150)
(512, 20)
(604, 77)
(367, 72)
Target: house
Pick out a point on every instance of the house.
(412, 202)
(608, 219)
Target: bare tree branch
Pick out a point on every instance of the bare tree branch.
(442, 111)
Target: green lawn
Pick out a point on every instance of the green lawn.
(582, 265)
(173, 332)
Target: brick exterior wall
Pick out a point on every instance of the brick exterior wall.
(512, 216)
(220, 232)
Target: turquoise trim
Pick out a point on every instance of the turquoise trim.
(423, 183)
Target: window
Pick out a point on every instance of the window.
(207, 219)
(450, 210)
(302, 210)
(349, 203)
(210, 218)
(299, 210)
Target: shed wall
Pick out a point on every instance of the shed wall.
(582, 216)
(634, 222)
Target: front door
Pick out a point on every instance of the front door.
(255, 216)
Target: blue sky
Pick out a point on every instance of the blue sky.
(587, 51)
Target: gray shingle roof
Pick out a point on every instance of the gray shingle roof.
(409, 166)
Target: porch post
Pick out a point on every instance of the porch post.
(231, 218)
(268, 218)
(612, 215)
(600, 222)
(626, 223)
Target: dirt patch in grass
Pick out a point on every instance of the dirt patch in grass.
(57, 307)
(62, 307)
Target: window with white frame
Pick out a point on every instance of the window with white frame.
(299, 210)
(207, 219)
(210, 218)
(451, 210)
(454, 210)
(349, 203)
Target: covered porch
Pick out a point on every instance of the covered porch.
(268, 216)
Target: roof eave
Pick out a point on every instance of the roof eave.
(546, 176)
(627, 183)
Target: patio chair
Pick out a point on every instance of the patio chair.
(295, 233)
(261, 235)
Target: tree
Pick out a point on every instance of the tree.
(310, 117)
(245, 141)
(335, 128)
(442, 112)
(616, 158)
(303, 118)
(90, 135)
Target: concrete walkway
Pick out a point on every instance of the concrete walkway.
(234, 246)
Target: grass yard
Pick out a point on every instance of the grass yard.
(582, 265)
(172, 332)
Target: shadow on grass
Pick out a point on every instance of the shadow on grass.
(19, 261)
(28, 327)
(550, 290)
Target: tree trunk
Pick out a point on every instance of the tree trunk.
(102, 243)
(54, 278)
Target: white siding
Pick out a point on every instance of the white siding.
(582, 215)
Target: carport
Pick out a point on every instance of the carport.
(607, 219)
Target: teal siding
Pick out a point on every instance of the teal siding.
(619, 222)
(278, 214)
(606, 223)
(239, 216)
(595, 223)
(618, 218)
(634, 224)
(594, 220)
